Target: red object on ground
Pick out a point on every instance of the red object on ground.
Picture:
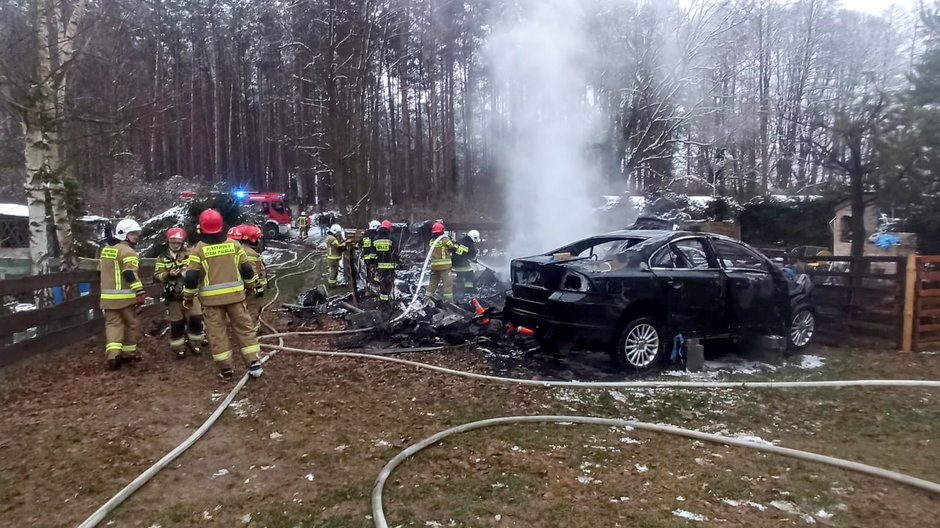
(478, 309)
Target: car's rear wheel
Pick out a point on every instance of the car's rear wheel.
(802, 329)
(640, 345)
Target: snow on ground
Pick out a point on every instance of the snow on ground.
(688, 515)
(811, 362)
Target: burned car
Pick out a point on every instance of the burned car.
(633, 291)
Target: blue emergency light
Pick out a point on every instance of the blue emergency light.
(240, 194)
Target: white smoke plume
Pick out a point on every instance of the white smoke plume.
(538, 58)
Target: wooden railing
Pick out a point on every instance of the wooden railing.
(76, 317)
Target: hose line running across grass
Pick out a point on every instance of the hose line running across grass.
(144, 477)
(613, 384)
(378, 511)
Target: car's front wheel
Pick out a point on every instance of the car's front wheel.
(640, 345)
(802, 329)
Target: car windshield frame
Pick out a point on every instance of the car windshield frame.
(592, 242)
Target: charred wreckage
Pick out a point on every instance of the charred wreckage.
(638, 294)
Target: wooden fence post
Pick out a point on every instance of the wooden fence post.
(910, 302)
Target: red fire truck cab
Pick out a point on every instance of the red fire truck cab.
(272, 207)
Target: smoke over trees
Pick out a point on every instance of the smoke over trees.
(381, 102)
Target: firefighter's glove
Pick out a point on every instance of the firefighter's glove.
(175, 272)
(141, 298)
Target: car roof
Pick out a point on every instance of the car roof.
(661, 233)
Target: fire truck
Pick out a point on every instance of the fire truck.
(272, 207)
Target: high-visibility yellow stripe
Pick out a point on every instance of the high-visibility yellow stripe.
(128, 348)
(222, 291)
(112, 346)
(118, 296)
(137, 285)
(109, 253)
(251, 349)
(386, 265)
(194, 258)
(131, 260)
(331, 257)
(222, 356)
(177, 342)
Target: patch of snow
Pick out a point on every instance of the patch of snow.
(641, 468)
(265, 468)
(824, 515)
(811, 362)
(433, 524)
(9, 209)
(586, 479)
(628, 440)
(756, 505)
(497, 517)
(275, 435)
(688, 515)
(206, 516)
(341, 448)
(617, 395)
(786, 507)
(309, 476)
(620, 499)
(752, 439)
(220, 473)
(382, 443)
(246, 518)
(680, 498)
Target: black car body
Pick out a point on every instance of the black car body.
(695, 284)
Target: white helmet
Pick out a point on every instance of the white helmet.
(474, 235)
(374, 225)
(124, 227)
(336, 229)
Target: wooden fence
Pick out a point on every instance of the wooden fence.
(858, 299)
(922, 304)
(76, 317)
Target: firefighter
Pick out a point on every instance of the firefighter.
(386, 256)
(249, 236)
(184, 324)
(441, 248)
(122, 293)
(220, 273)
(303, 223)
(335, 246)
(368, 251)
(464, 284)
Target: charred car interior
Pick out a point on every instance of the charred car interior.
(631, 292)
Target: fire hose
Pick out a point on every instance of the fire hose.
(378, 511)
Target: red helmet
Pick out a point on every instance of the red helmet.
(210, 222)
(177, 233)
(251, 233)
(386, 224)
(235, 233)
(437, 228)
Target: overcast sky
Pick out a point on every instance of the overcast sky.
(877, 6)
